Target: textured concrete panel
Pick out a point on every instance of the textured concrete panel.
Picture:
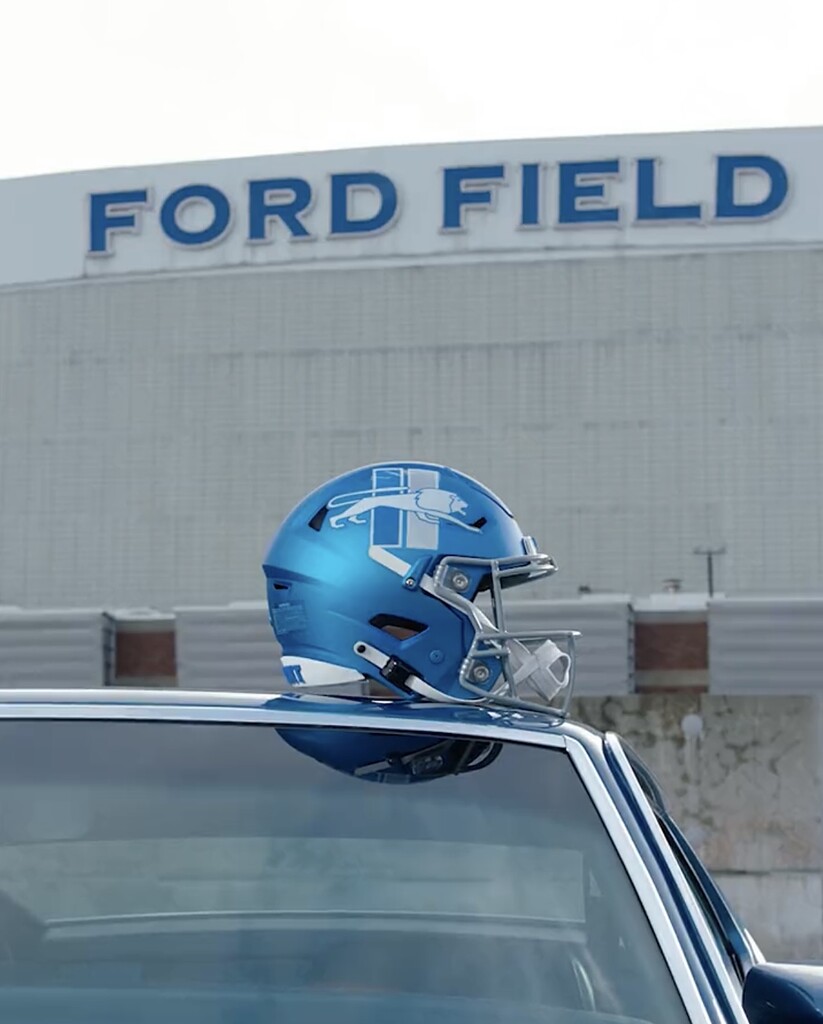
(154, 432)
(742, 776)
(783, 911)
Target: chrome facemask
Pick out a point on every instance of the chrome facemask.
(534, 666)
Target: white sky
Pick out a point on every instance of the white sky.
(98, 83)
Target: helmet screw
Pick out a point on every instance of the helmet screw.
(460, 581)
(480, 673)
(409, 582)
(435, 657)
(360, 648)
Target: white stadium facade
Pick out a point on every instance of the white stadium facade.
(623, 336)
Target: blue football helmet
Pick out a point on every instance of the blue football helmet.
(376, 575)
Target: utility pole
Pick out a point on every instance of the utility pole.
(710, 554)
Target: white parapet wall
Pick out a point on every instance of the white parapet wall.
(227, 648)
(54, 648)
(766, 645)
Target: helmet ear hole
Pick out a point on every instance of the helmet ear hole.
(397, 626)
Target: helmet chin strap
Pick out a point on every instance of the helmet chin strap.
(393, 671)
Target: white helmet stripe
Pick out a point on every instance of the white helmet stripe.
(311, 672)
(389, 561)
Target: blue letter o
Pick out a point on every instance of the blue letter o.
(206, 193)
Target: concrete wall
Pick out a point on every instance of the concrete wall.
(743, 779)
(154, 432)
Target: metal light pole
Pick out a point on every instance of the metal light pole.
(709, 554)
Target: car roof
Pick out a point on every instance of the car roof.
(281, 708)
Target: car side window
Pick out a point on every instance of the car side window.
(730, 938)
(731, 959)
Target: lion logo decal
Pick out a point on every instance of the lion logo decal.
(429, 504)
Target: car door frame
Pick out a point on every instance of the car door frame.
(725, 988)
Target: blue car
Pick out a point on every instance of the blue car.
(182, 858)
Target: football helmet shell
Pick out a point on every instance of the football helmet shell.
(376, 574)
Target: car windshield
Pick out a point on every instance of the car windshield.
(196, 873)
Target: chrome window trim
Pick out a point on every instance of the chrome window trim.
(643, 884)
(699, 920)
(281, 718)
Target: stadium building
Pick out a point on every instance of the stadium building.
(623, 336)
